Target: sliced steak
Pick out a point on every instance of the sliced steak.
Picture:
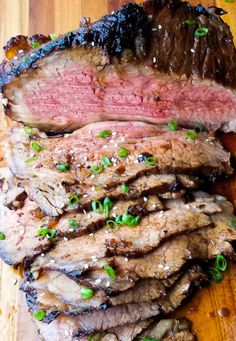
(55, 293)
(165, 330)
(170, 329)
(19, 224)
(83, 150)
(80, 254)
(143, 63)
(116, 316)
(134, 312)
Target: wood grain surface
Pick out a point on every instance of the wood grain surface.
(48, 16)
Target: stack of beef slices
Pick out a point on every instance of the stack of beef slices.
(112, 226)
(111, 221)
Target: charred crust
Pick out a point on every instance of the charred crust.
(130, 29)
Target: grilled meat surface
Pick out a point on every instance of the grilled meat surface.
(140, 63)
(83, 150)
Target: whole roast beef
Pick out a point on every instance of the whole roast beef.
(161, 60)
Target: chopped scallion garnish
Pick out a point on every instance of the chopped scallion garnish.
(63, 167)
(124, 188)
(214, 275)
(36, 147)
(106, 161)
(104, 133)
(39, 315)
(96, 169)
(191, 135)
(122, 152)
(31, 159)
(73, 224)
(25, 59)
(107, 204)
(35, 44)
(86, 293)
(233, 222)
(173, 125)
(28, 130)
(221, 263)
(110, 271)
(151, 161)
(112, 225)
(198, 128)
(95, 337)
(130, 220)
(73, 201)
(229, 1)
(2, 236)
(45, 232)
(190, 22)
(97, 207)
(53, 36)
(144, 338)
(201, 32)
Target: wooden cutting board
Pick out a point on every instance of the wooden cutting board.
(48, 16)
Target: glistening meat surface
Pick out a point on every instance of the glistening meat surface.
(83, 150)
(141, 63)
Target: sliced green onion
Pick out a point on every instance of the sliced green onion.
(28, 130)
(198, 128)
(214, 275)
(201, 32)
(190, 22)
(130, 220)
(233, 222)
(73, 224)
(96, 169)
(53, 36)
(63, 167)
(110, 271)
(73, 201)
(106, 161)
(104, 133)
(124, 188)
(86, 293)
(151, 161)
(35, 44)
(221, 263)
(107, 204)
(39, 315)
(45, 232)
(2, 236)
(25, 59)
(173, 125)
(191, 135)
(31, 159)
(95, 337)
(112, 225)
(122, 152)
(36, 147)
(119, 220)
(144, 338)
(229, 1)
(97, 207)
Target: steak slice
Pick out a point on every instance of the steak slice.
(165, 330)
(55, 293)
(80, 254)
(83, 150)
(19, 225)
(134, 312)
(170, 329)
(141, 63)
(115, 316)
